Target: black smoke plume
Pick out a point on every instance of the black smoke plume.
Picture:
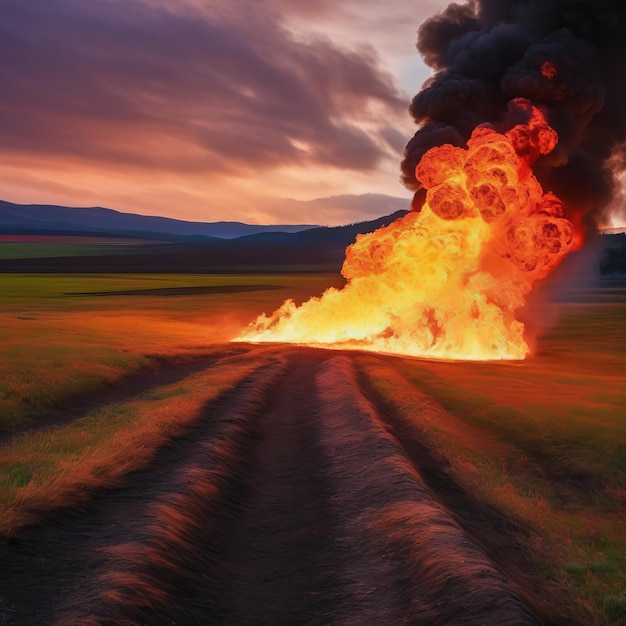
(568, 56)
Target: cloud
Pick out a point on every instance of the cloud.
(335, 210)
(213, 87)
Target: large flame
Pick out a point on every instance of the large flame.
(446, 282)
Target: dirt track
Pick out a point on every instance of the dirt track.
(295, 500)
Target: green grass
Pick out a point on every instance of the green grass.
(56, 343)
(564, 407)
(45, 250)
(29, 293)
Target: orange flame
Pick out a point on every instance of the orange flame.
(447, 281)
(548, 70)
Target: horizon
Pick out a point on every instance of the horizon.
(602, 230)
(328, 199)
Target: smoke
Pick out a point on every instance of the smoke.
(569, 56)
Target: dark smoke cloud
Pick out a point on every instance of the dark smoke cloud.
(487, 52)
(186, 86)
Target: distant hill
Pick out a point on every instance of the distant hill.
(317, 249)
(343, 235)
(311, 250)
(50, 219)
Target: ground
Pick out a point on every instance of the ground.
(189, 478)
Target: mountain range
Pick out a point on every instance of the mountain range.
(99, 221)
(179, 247)
(51, 219)
(200, 247)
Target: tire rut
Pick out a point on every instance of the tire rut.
(495, 532)
(57, 561)
(291, 502)
(412, 563)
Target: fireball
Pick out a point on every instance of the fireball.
(447, 281)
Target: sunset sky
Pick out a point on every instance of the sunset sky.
(208, 109)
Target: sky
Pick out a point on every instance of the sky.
(208, 109)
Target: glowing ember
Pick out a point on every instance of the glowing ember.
(447, 281)
(548, 70)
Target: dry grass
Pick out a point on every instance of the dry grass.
(44, 471)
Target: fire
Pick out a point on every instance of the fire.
(548, 70)
(446, 282)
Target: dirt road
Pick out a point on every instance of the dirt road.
(295, 500)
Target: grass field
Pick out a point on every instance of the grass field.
(70, 334)
(46, 470)
(50, 246)
(542, 440)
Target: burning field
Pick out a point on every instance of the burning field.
(512, 167)
(243, 483)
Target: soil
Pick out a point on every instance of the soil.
(298, 498)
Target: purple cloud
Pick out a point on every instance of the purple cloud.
(216, 89)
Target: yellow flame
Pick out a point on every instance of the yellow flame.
(445, 282)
